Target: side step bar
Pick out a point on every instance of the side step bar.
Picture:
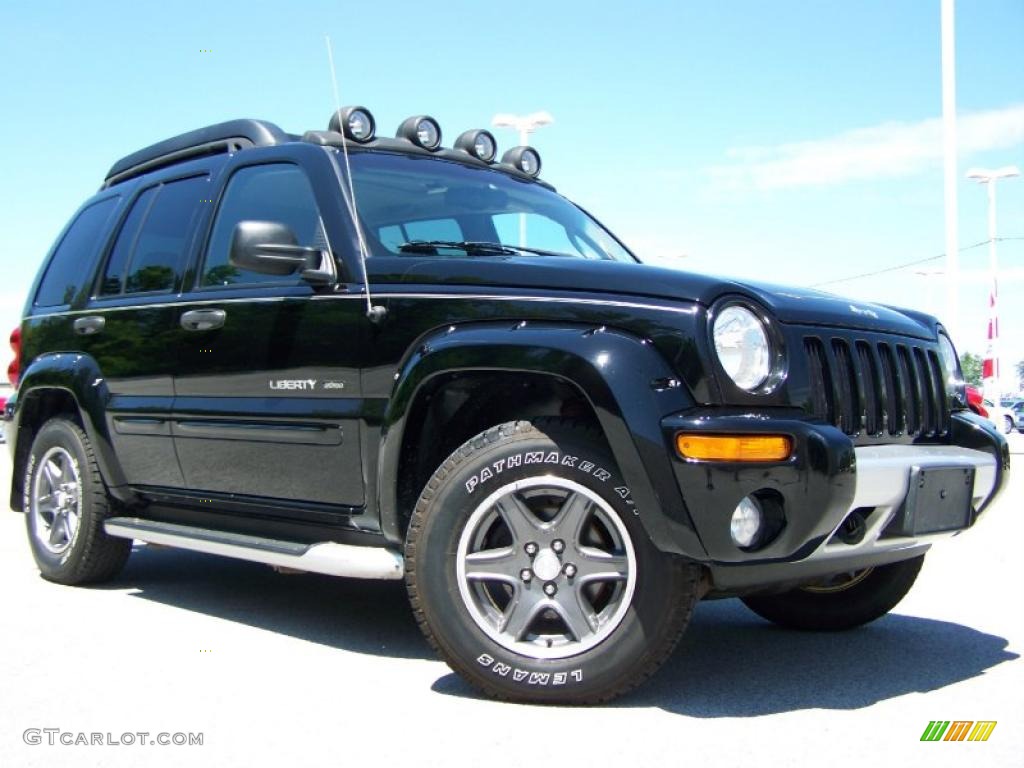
(327, 557)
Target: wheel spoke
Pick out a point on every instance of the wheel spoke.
(70, 523)
(521, 522)
(522, 611)
(52, 473)
(67, 472)
(574, 512)
(577, 614)
(57, 529)
(499, 564)
(598, 565)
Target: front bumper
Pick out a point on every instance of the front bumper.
(826, 480)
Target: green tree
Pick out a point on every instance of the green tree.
(971, 365)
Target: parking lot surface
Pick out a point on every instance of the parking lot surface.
(291, 670)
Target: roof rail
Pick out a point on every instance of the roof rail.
(211, 140)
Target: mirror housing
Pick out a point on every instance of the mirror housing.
(271, 248)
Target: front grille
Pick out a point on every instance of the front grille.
(877, 389)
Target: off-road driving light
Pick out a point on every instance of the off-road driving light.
(742, 346)
(355, 122)
(423, 131)
(479, 143)
(526, 159)
(734, 447)
(746, 522)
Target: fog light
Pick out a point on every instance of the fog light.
(746, 523)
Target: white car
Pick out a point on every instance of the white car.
(1003, 418)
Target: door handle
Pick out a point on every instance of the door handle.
(87, 326)
(203, 319)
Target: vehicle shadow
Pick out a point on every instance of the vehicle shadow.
(359, 615)
(731, 663)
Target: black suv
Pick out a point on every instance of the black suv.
(381, 358)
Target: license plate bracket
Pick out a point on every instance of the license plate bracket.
(938, 500)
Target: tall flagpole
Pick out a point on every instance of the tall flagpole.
(949, 166)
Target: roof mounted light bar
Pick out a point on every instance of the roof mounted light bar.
(356, 123)
(421, 130)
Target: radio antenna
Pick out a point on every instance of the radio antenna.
(375, 313)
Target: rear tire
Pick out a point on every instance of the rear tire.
(65, 505)
(1007, 425)
(599, 609)
(855, 599)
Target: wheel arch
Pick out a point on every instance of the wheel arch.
(68, 384)
(625, 383)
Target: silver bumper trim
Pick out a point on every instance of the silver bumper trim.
(883, 480)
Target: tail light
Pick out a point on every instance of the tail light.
(14, 369)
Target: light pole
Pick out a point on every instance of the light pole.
(525, 125)
(948, 48)
(989, 177)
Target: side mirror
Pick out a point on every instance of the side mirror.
(271, 248)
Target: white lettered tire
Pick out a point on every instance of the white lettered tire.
(529, 571)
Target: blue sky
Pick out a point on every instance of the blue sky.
(782, 141)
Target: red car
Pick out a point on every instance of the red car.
(975, 401)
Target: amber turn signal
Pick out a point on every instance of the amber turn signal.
(734, 447)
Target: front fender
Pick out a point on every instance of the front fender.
(628, 383)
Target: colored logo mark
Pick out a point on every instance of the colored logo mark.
(958, 730)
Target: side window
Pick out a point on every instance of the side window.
(160, 246)
(278, 192)
(68, 268)
(113, 276)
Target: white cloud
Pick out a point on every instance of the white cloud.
(888, 150)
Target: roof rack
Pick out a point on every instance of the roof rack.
(211, 140)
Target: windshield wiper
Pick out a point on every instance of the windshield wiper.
(471, 247)
(474, 248)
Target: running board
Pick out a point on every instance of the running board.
(327, 557)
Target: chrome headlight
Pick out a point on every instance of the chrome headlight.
(742, 346)
(953, 376)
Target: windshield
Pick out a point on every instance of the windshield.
(416, 205)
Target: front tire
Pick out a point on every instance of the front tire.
(841, 602)
(1007, 425)
(530, 573)
(65, 505)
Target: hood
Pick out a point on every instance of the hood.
(803, 306)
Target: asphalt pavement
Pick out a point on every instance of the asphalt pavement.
(297, 670)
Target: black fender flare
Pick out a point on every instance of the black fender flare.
(627, 382)
(79, 376)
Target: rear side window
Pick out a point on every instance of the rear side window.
(113, 277)
(278, 192)
(151, 247)
(159, 251)
(73, 259)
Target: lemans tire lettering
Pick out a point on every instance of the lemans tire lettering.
(502, 669)
(540, 457)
